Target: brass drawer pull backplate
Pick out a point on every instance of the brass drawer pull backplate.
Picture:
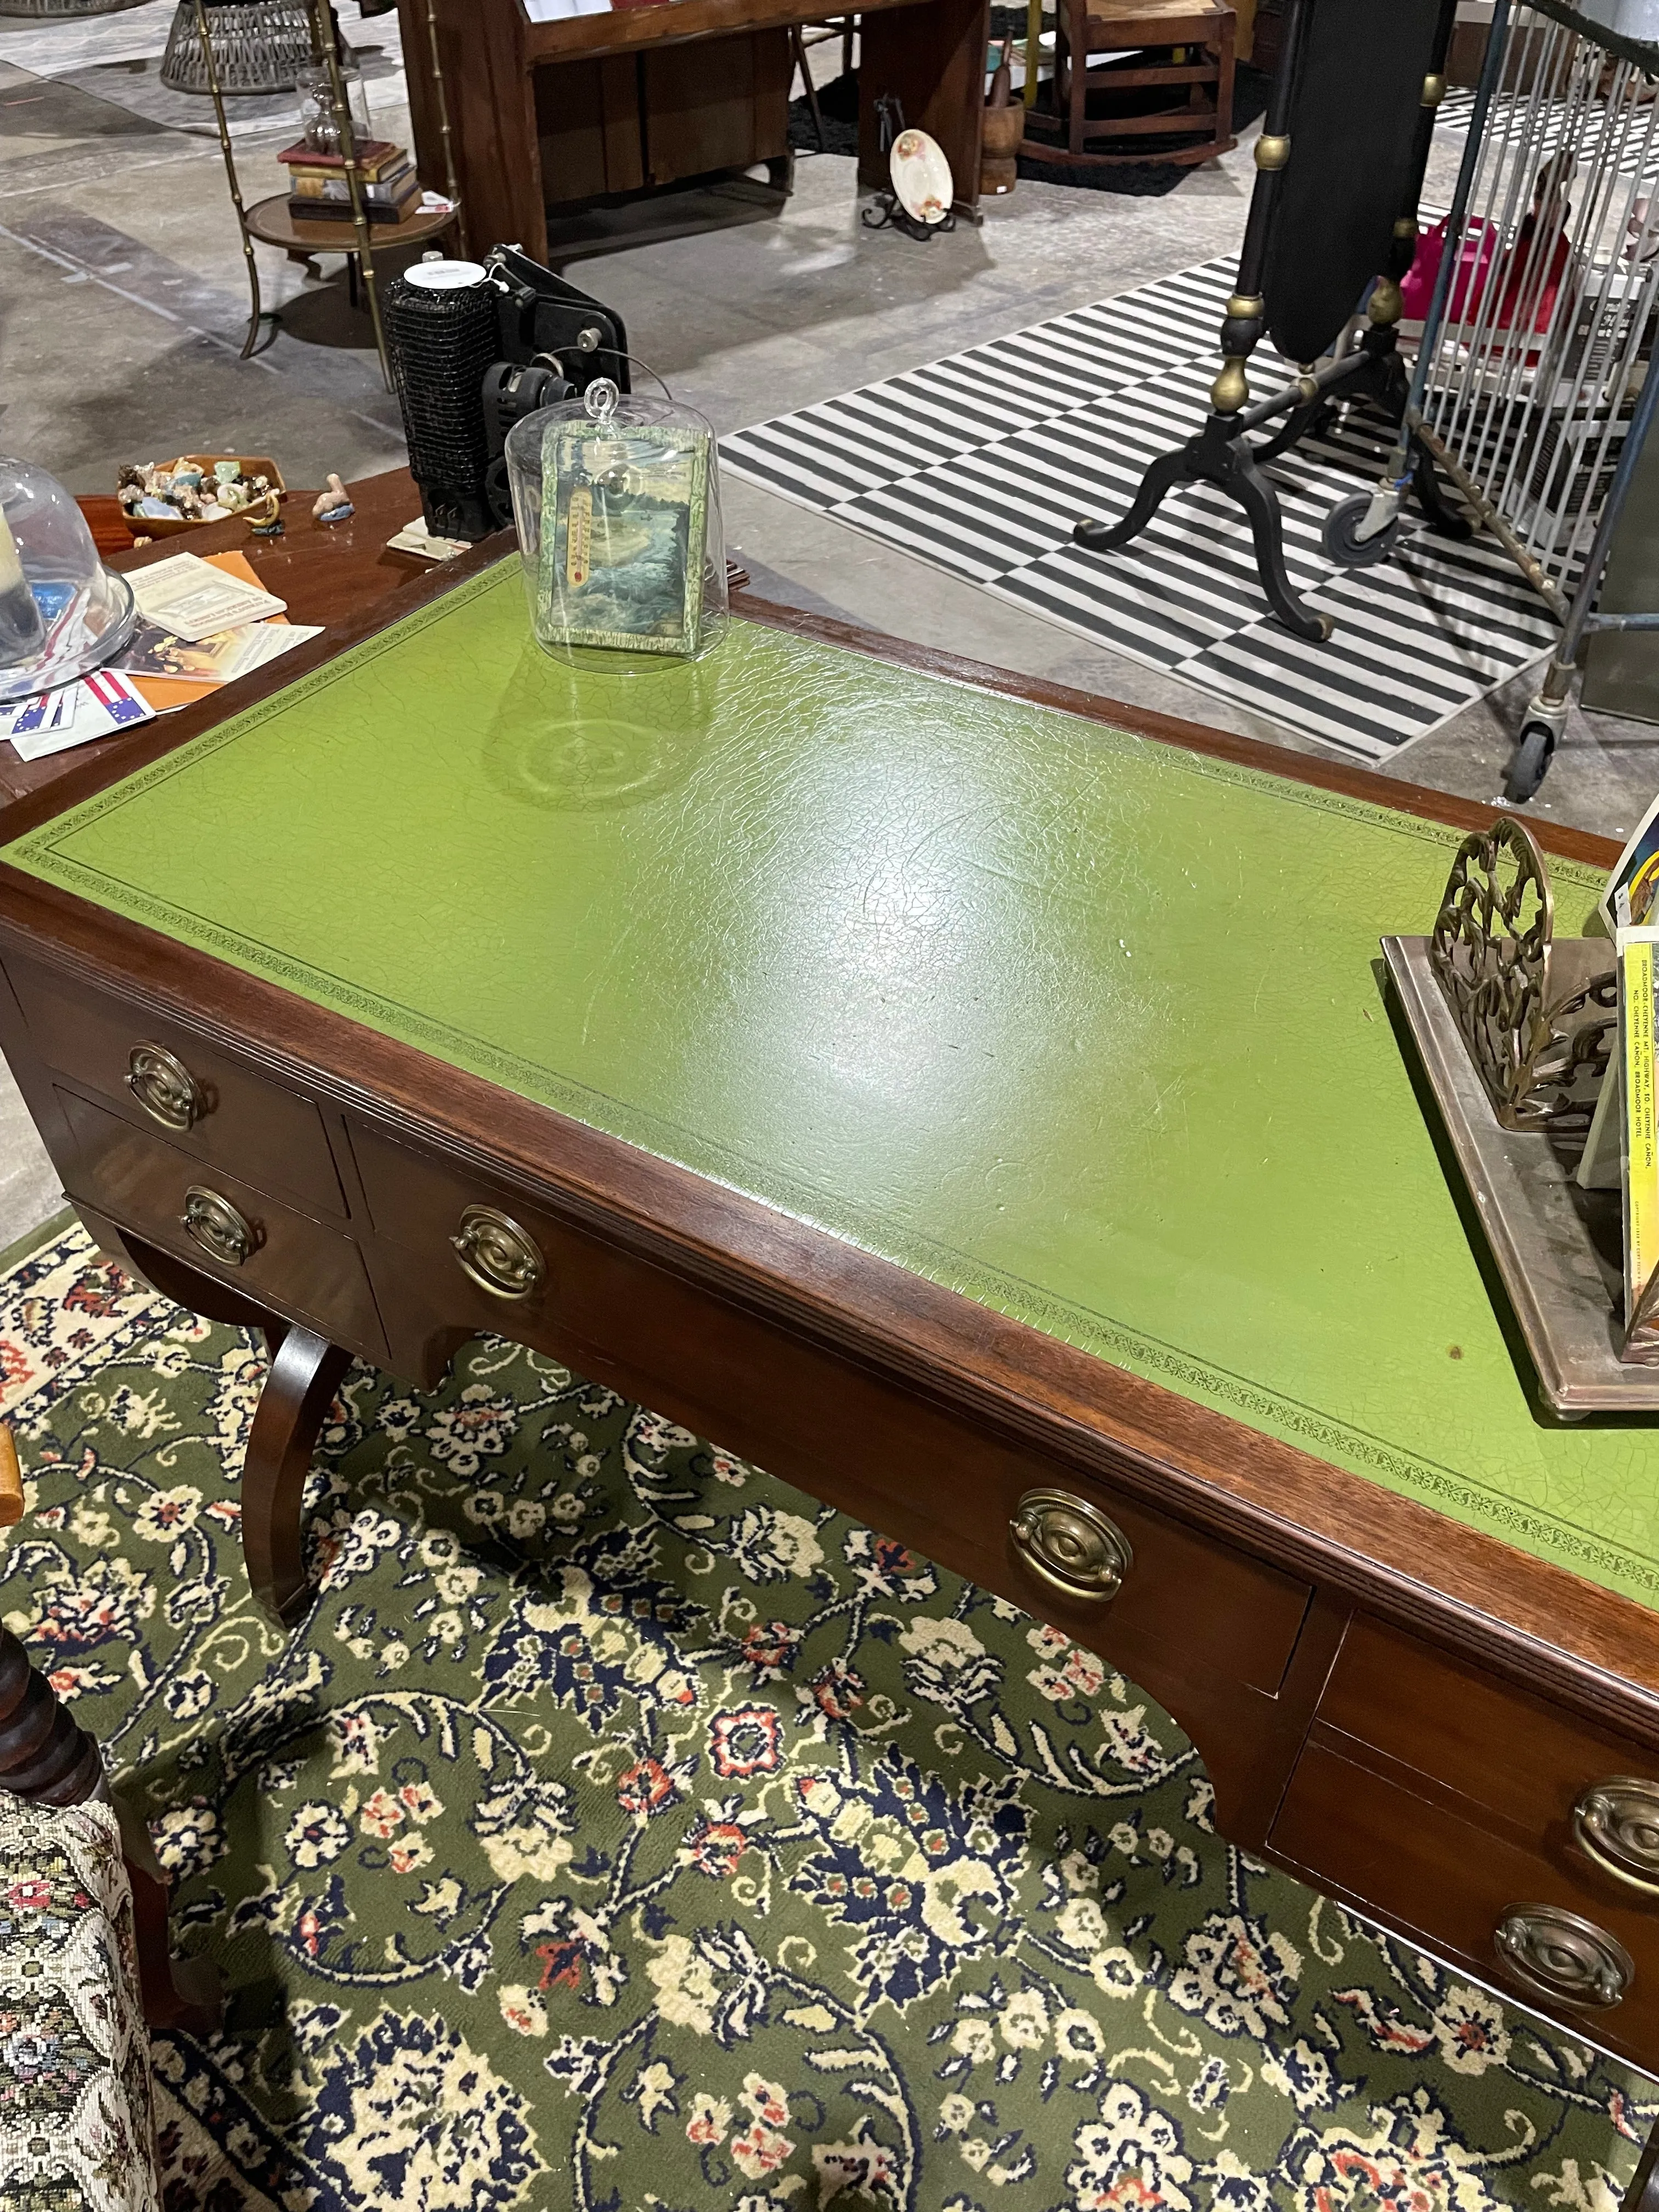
(1616, 1826)
(498, 1255)
(1071, 1544)
(164, 1087)
(1555, 1954)
(215, 1224)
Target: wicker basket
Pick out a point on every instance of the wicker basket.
(258, 45)
(61, 11)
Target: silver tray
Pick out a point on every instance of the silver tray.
(1557, 1248)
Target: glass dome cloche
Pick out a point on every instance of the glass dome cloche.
(61, 611)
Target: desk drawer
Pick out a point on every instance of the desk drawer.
(298, 1266)
(1524, 1763)
(237, 1121)
(1454, 1879)
(1191, 1609)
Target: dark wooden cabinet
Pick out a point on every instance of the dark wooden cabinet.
(271, 1253)
(546, 116)
(624, 122)
(1444, 1873)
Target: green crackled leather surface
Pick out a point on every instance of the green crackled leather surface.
(1083, 1026)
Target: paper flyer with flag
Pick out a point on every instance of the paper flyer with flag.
(56, 720)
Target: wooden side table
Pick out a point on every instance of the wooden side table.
(1200, 85)
(273, 223)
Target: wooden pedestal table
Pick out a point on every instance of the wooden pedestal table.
(972, 1100)
(272, 221)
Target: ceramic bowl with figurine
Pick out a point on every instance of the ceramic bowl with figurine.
(165, 499)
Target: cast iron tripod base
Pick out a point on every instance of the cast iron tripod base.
(1221, 454)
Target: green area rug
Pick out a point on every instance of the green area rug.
(625, 1830)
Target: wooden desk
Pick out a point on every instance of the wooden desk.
(550, 114)
(328, 573)
(759, 1136)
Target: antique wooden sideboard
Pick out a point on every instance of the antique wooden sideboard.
(1428, 1712)
(552, 115)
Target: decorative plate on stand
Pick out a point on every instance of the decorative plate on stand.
(922, 177)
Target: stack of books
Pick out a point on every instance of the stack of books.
(318, 190)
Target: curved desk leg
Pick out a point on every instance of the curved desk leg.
(48, 1759)
(304, 1373)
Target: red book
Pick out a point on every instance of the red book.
(370, 153)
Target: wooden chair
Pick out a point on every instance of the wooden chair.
(831, 27)
(1193, 64)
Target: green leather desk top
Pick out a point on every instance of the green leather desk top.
(1085, 1027)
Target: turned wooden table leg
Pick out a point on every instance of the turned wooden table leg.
(45, 1758)
(44, 1755)
(304, 1373)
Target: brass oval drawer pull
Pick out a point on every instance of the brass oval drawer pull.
(498, 1255)
(212, 1222)
(1071, 1544)
(1616, 1826)
(164, 1087)
(1556, 1954)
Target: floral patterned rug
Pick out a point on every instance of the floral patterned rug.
(626, 1829)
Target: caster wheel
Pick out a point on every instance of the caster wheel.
(1344, 547)
(1531, 762)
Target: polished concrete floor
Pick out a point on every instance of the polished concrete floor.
(124, 307)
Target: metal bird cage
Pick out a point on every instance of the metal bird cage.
(258, 46)
(1542, 345)
(1531, 390)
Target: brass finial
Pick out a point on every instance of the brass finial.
(1231, 390)
(1272, 152)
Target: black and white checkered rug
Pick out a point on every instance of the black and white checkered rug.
(980, 464)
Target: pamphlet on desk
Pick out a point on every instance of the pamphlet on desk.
(194, 598)
(159, 670)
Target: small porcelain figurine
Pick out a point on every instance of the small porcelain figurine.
(334, 505)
